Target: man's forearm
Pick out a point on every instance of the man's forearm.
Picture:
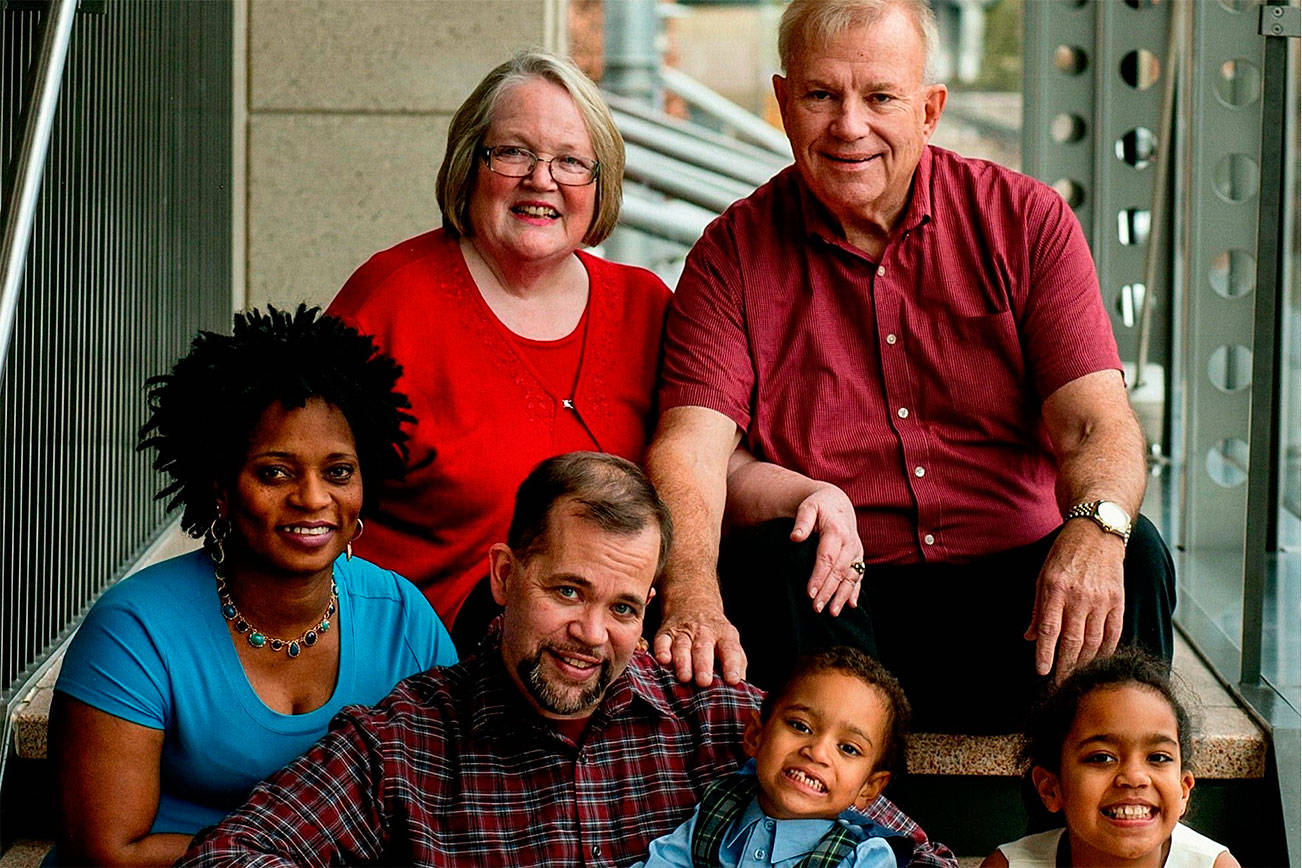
(693, 484)
(759, 491)
(1100, 452)
(321, 809)
(688, 463)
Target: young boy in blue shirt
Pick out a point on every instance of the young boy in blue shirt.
(824, 742)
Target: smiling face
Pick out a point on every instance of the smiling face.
(532, 219)
(296, 497)
(574, 610)
(858, 116)
(817, 753)
(1120, 784)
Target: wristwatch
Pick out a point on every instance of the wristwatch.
(1106, 514)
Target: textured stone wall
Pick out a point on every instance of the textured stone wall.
(348, 103)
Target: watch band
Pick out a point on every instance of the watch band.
(1090, 509)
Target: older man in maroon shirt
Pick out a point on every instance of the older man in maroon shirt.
(912, 349)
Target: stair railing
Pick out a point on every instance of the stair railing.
(30, 166)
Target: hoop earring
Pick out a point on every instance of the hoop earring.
(348, 547)
(212, 539)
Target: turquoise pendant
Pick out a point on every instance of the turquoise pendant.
(323, 627)
(292, 649)
(257, 640)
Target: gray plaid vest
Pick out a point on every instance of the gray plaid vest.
(723, 802)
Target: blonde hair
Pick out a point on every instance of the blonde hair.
(457, 174)
(808, 23)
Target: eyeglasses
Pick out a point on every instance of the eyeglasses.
(516, 162)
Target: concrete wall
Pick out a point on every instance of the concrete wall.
(345, 111)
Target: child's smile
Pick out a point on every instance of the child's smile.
(817, 752)
(1121, 782)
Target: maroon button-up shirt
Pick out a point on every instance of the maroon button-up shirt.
(914, 383)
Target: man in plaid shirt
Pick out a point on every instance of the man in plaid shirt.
(558, 743)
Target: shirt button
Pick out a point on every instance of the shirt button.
(881, 269)
(596, 849)
(903, 412)
(768, 824)
(759, 854)
(890, 339)
(929, 539)
(919, 471)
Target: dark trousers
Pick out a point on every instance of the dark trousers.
(951, 633)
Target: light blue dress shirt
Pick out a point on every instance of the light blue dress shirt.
(755, 839)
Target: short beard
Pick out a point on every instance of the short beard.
(557, 701)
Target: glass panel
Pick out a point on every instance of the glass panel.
(1282, 636)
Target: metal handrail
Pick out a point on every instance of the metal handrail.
(1161, 172)
(748, 127)
(622, 107)
(30, 164)
(683, 146)
(675, 221)
(683, 181)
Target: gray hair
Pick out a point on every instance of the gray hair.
(807, 23)
(456, 178)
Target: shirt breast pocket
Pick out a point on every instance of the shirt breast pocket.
(976, 367)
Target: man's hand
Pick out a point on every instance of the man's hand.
(829, 513)
(1079, 599)
(693, 632)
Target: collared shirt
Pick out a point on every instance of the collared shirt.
(455, 768)
(915, 383)
(756, 840)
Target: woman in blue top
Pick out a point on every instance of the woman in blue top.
(192, 680)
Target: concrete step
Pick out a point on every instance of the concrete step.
(955, 779)
(26, 853)
(1231, 746)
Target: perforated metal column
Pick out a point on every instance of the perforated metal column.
(1220, 180)
(1092, 105)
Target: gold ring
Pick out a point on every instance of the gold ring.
(859, 567)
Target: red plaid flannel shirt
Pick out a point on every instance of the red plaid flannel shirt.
(455, 768)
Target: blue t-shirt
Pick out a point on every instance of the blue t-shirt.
(155, 651)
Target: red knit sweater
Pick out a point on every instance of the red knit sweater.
(485, 416)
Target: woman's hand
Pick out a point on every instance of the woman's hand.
(108, 788)
(829, 513)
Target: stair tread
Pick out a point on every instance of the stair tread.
(1231, 747)
(25, 853)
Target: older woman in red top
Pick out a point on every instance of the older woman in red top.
(516, 345)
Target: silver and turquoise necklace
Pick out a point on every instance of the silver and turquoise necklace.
(259, 638)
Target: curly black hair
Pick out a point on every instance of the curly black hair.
(1053, 717)
(202, 414)
(856, 664)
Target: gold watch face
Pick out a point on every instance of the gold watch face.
(1112, 516)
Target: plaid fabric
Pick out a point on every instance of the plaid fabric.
(723, 803)
(454, 768)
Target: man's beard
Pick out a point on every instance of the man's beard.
(558, 700)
